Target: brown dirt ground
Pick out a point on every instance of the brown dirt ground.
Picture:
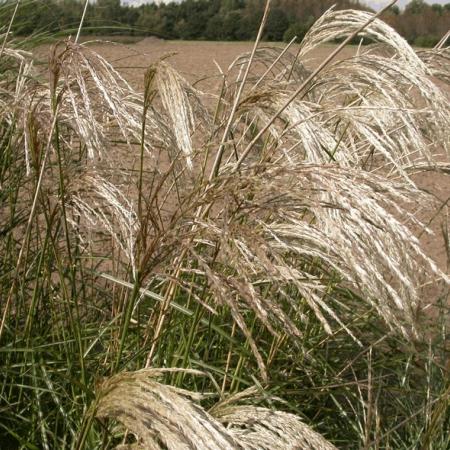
(195, 60)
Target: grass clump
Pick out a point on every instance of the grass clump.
(267, 236)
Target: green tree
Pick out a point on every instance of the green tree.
(149, 19)
(277, 24)
(415, 7)
(231, 25)
(45, 15)
(298, 29)
(437, 8)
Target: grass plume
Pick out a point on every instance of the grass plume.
(162, 416)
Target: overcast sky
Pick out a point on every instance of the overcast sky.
(378, 4)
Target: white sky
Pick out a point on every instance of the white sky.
(378, 4)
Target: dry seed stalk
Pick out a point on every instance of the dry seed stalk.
(162, 416)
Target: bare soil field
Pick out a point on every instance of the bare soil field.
(199, 62)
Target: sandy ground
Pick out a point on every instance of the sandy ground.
(195, 60)
(198, 61)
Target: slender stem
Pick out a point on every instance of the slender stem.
(88, 419)
(34, 299)
(62, 193)
(274, 63)
(82, 20)
(141, 166)
(30, 220)
(9, 30)
(227, 365)
(215, 169)
(126, 321)
(192, 332)
(170, 293)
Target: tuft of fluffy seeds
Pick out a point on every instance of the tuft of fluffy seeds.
(162, 416)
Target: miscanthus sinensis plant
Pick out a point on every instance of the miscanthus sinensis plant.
(266, 235)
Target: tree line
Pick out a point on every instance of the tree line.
(420, 23)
